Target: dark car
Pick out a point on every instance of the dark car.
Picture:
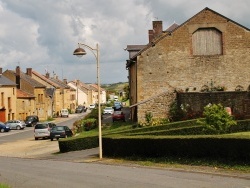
(4, 128)
(118, 115)
(117, 107)
(60, 132)
(80, 109)
(31, 121)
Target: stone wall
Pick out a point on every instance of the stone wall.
(197, 100)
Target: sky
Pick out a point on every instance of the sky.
(43, 34)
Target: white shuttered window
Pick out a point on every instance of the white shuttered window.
(207, 41)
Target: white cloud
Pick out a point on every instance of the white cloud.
(43, 34)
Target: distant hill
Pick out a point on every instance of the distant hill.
(116, 87)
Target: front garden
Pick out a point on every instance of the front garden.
(216, 137)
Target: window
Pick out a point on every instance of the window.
(9, 102)
(2, 99)
(207, 41)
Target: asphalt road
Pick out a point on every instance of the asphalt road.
(30, 173)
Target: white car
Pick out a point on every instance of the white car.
(108, 110)
(91, 106)
(64, 113)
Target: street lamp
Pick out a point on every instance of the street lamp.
(80, 52)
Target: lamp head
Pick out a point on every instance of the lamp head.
(79, 52)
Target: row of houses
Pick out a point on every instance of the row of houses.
(207, 49)
(32, 93)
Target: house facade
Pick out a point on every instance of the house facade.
(8, 97)
(34, 89)
(26, 104)
(208, 48)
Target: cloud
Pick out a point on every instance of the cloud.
(43, 34)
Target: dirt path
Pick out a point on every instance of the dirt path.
(29, 148)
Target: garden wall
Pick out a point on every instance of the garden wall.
(196, 101)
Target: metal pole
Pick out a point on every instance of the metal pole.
(99, 102)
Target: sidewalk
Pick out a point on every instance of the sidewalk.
(89, 155)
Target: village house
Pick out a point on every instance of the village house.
(8, 97)
(31, 97)
(82, 93)
(94, 89)
(208, 48)
(56, 91)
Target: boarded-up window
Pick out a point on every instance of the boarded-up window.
(207, 41)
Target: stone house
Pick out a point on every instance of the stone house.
(65, 93)
(55, 90)
(208, 48)
(26, 104)
(94, 89)
(31, 95)
(8, 94)
(82, 92)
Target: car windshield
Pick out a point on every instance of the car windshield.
(118, 112)
(29, 118)
(41, 126)
(58, 128)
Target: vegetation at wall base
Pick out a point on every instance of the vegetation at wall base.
(4, 185)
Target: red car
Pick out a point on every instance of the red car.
(118, 115)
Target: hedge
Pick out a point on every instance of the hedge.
(208, 147)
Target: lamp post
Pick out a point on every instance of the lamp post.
(80, 52)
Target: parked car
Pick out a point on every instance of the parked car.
(31, 120)
(15, 124)
(80, 109)
(42, 130)
(91, 106)
(108, 110)
(60, 132)
(118, 115)
(117, 107)
(64, 113)
(4, 128)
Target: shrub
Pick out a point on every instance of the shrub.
(217, 119)
(89, 124)
(148, 117)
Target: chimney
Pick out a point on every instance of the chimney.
(157, 28)
(150, 36)
(29, 71)
(1, 70)
(18, 77)
(65, 81)
(47, 75)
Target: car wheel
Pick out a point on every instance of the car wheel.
(36, 138)
(57, 138)
(51, 139)
(2, 130)
(18, 127)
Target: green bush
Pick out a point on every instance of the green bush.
(89, 124)
(217, 119)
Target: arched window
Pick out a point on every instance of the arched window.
(207, 41)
